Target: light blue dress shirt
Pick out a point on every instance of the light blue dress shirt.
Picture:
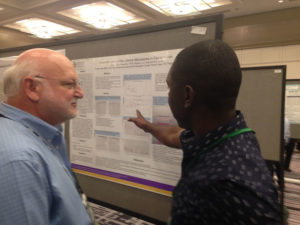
(36, 183)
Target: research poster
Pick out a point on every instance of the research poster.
(292, 103)
(103, 143)
(5, 62)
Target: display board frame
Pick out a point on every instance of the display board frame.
(269, 87)
(115, 193)
(273, 163)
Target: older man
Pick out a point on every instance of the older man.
(36, 181)
(224, 178)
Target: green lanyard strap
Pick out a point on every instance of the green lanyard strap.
(217, 142)
(233, 134)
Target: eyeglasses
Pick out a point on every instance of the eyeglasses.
(74, 84)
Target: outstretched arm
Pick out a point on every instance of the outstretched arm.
(168, 135)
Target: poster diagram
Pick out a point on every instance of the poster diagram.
(103, 143)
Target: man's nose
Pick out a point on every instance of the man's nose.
(78, 92)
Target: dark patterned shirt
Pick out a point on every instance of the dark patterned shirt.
(226, 184)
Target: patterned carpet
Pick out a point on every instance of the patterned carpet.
(292, 190)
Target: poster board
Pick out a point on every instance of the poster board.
(292, 106)
(150, 198)
(102, 141)
(105, 145)
(261, 98)
(5, 62)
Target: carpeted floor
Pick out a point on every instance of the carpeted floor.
(292, 190)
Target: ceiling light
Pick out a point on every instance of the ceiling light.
(41, 28)
(217, 3)
(102, 15)
(183, 7)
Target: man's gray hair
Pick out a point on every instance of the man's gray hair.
(13, 75)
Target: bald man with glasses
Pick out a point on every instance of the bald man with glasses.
(36, 181)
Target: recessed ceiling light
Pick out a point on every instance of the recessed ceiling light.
(102, 15)
(41, 28)
(183, 7)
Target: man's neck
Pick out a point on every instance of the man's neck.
(207, 121)
(21, 104)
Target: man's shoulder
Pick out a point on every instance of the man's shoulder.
(12, 131)
(17, 142)
(6, 123)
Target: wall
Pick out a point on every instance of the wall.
(271, 38)
(288, 55)
(275, 28)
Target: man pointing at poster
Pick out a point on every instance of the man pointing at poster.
(36, 181)
(224, 179)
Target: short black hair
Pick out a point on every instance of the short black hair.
(213, 70)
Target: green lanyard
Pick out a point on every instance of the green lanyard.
(212, 145)
(217, 142)
(228, 136)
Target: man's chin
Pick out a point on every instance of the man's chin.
(71, 115)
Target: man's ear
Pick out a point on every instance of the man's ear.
(189, 96)
(32, 88)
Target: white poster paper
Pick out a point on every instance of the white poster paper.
(292, 103)
(103, 143)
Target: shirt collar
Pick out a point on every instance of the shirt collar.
(38, 126)
(196, 143)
